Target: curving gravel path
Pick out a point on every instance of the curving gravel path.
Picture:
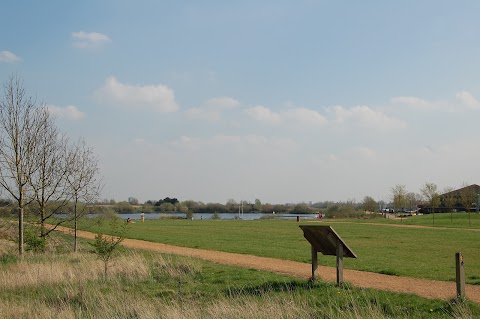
(421, 287)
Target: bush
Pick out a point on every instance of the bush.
(34, 242)
(105, 246)
(216, 215)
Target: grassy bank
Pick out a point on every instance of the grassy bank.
(415, 252)
(147, 285)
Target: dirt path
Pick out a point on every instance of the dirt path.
(421, 287)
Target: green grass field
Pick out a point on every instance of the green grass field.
(380, 247)
(58, 284)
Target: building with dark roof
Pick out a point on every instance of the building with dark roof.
(460, 200)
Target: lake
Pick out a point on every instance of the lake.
(250, 216)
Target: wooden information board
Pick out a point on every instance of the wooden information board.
(324, 239)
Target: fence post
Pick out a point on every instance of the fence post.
(460, 275)
(339, 263)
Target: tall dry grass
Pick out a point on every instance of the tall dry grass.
(74, 268)
(78, 289)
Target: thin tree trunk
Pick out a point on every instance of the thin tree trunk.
(75, 227)
(20, 231)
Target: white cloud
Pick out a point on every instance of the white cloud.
(304, 116)
(9, 57)
(464, 97)
(365, 116)
(70, 112)
(413, 102)
(262, 114)
(84, 40)
(212, 108)
(468, 99)
(158, 97)
(295, 116)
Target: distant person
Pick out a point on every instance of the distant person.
(129, 220)
(142, 216)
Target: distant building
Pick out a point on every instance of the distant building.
(462, 199)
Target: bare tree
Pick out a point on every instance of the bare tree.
(49, 181)
(83, 183)
(19, 132)
(429, 192)
(413, 199)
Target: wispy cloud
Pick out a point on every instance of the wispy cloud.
(466, 99)
(70, 112)
(153, 97)
(85, 40)
(8, 57)
(238, 143)
(413, 102)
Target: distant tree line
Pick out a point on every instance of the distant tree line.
(401, 200)
(230, 207)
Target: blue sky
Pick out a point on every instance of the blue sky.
(285, 101)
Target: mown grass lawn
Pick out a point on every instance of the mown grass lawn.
(382, 248)
(449, 220)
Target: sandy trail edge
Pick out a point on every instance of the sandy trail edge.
(422, 287)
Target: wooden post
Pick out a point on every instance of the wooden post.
(460, 275)
(314, 262)
(339, 263)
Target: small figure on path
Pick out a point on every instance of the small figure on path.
(142, 216)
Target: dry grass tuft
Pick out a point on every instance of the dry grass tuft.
(73, 268)
(7, 247)
(167, 265)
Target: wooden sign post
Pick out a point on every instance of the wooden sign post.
(325, 240)
(339, 262)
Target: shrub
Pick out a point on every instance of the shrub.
(105, 246)
(34, 242)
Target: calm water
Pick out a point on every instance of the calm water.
(252, 216)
